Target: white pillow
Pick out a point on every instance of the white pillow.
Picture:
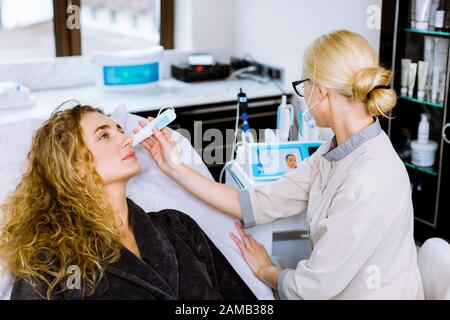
(153, 191)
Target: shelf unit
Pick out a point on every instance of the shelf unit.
(427, 103)
(430, 186)
(429, 32)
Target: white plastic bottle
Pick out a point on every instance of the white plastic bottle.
(285, 119)
(424, 129)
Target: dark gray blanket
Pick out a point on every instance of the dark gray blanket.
(178, 262)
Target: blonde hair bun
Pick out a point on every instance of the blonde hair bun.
(371, 85)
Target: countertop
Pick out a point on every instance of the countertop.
(168, 93)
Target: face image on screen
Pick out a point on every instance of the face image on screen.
(291, 158)
(278, 161)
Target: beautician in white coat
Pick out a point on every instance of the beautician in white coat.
(355, 188)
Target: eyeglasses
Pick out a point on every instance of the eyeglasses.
(299, 87)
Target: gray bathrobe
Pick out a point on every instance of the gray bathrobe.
(178, 262)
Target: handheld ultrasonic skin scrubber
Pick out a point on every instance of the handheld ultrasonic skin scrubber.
(160, 122)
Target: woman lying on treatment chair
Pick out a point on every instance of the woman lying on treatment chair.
(69, 232)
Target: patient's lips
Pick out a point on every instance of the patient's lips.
(131, 155)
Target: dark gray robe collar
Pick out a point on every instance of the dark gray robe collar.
(158, 269)
(339, 152)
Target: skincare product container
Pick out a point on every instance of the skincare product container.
(423, 155)
(423, 11)
(422, 79)
(435, 83)
(412, 78)
(428, 55)
(405, 73)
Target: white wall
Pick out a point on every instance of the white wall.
(204, 25)
(22, 13)
(278, 31)
(272, 31)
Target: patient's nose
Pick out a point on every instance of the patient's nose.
(127, 141)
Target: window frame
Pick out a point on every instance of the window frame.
(67, 41)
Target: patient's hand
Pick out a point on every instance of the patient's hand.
(162, 148)
(257, 258)
(254, 253)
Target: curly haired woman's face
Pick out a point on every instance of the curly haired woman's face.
(114, 156)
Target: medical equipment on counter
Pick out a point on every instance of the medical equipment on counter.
(269, 161)
(243, 109)
(285, 119)
(192, 73)
(270, 136)
(14, 95)
(200, 67)
(201, 59)
(241, 112)
(161, 121)
(128, 69)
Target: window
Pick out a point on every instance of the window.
(26, 29)
(122, 24)
(38, 28)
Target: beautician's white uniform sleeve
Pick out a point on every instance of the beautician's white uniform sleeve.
(344, 241)
(284, 198)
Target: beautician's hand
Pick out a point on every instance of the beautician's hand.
(162, 148)
(256, 256)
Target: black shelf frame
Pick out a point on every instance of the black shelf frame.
(399, 40)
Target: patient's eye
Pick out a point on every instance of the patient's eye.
(103, 136)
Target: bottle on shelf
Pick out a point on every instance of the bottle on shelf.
(424, 129)
(447, 17)
(434, 6)
(423, 149)
(440, 16)
(413, 14)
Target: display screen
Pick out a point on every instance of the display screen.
(271, 161)
(131, 74)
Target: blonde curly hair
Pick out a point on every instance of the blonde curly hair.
(58, 215)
